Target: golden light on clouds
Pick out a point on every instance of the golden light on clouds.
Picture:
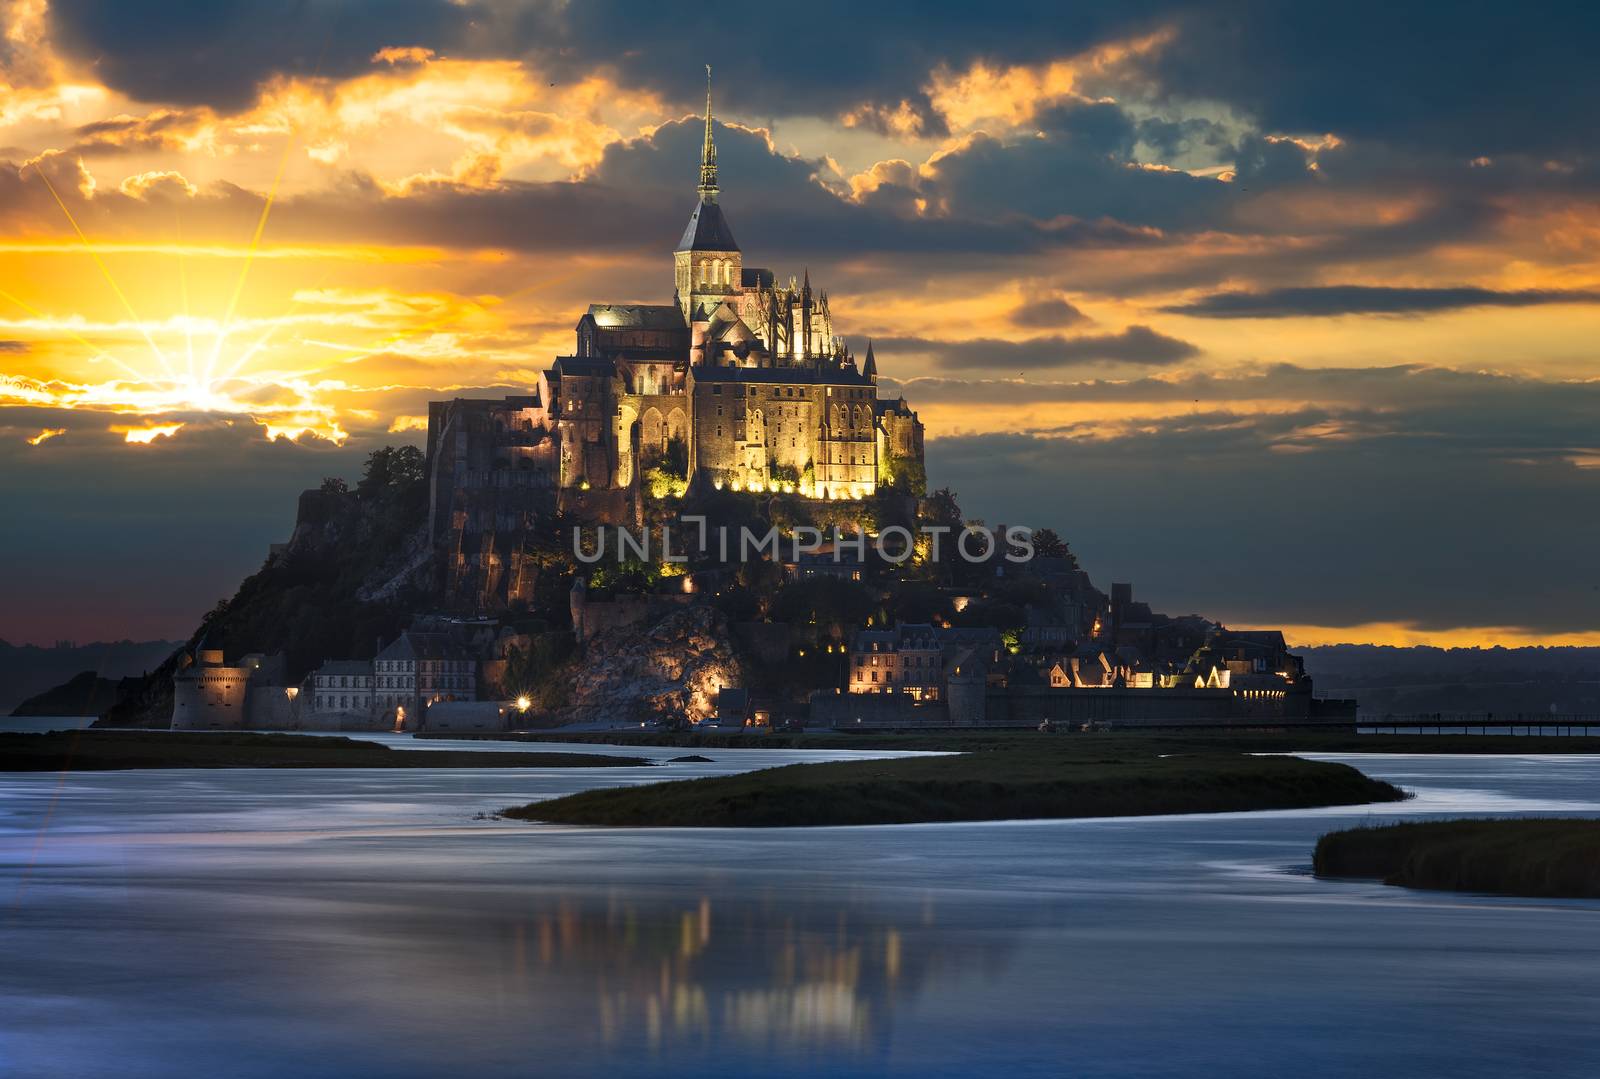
(1410, 634)
(300, 260)
(145, 434)
(1014, 94)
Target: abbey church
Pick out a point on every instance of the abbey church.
(740, 383)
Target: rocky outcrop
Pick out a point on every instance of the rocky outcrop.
(669, 670)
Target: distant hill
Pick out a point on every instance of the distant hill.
(1505, 681)
(84, 694)
(27, 670)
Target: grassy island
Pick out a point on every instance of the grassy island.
(95, 751)
(1005, 784)
(1527, 856)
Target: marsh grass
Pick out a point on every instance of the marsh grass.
(1040, 782)
(95, 751)
(1553, 857)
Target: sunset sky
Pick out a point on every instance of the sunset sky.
(1286, 313)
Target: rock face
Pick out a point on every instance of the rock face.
(672, 668)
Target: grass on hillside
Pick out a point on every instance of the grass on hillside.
(1001, 785)
(1554, 857)
(92, 751)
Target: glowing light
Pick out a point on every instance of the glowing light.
(46, 435)
(524, 703)
(332, 433)
(146, 435)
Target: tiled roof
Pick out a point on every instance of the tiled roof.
(642, 316)
(345, 666)
(707, 230)
(591, 366)
(411, 645)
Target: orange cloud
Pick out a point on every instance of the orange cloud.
(1014, 94)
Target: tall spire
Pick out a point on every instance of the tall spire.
(708, 154)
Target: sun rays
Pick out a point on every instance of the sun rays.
(237, 361)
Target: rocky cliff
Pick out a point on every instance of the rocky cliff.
(673, 668)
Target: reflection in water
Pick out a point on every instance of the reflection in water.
(758, 974)
(326, 923)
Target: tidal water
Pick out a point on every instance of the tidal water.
(369, 923)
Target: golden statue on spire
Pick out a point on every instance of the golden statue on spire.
(708, 154)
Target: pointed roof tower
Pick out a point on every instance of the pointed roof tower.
(708, 153)
(870, 367)
(708, 229)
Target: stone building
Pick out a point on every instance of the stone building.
(337, 695)
(417, 669)
(906, 659)
(740, 383)
(920, 675)
(208, 694)
(915, 659)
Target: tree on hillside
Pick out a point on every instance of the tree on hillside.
(392, 469)
(1047, 544)
(941, 508)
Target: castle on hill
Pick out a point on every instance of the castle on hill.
(740, 383)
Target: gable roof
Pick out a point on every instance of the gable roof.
(412, 645)
(345, 666)
(641, 316)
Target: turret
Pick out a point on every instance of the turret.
(870, 367)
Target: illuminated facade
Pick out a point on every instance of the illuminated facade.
(739, 383)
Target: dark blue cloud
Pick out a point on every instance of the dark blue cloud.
(217, 53)
(1419, 512)
(1137, 345)
(1046, 313)
(1468, 76)
(1327, 300)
